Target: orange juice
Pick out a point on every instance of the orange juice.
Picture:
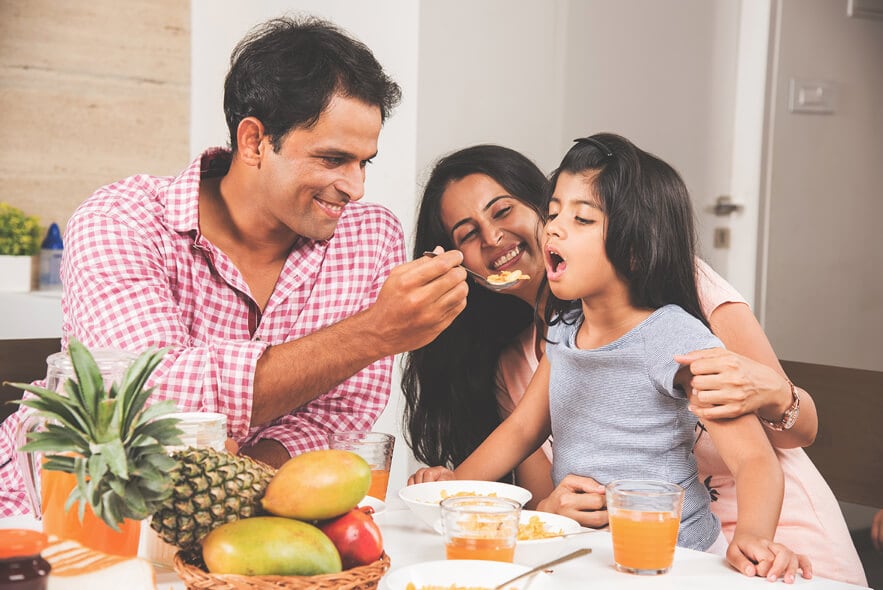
(644, 540)
(379, 483)
(473, 548)
(55, 487)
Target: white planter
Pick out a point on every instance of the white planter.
(15, 273)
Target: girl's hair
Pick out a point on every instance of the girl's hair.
(649, 239)
(450, 384)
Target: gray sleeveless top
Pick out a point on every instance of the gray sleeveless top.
(616, 413)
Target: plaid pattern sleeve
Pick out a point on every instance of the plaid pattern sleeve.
(137, 273)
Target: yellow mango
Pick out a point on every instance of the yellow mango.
(269, 546)
(318, 485)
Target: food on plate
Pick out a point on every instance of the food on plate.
(209, 488)
(356, 536)
(445, 495)
(535, 529)
(318, 485)
(506, 276)
(75, 567)
(269, 545)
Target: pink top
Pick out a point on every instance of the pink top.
(138, 273)
(810, 523)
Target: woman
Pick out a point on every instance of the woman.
(485, 201)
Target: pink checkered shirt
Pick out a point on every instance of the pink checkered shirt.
(137, 273)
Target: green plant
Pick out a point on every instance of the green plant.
(19, 233)
(109, 437)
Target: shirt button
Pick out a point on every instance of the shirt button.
(256, 339)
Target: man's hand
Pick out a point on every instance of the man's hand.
(580, 498)
(877, 531)
(425, 474)
(418, 300)
(268, 451)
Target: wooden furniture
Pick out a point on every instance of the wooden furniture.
(22, 361)
(848, 449)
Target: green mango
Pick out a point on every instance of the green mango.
(318, 485)
(267, 546)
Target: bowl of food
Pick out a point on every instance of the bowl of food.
(423, 498)
(474, 574)
(543, 536)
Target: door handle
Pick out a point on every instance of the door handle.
(724, 206)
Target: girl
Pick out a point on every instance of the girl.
(619, 252)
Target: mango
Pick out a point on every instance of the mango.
(268, 546)
(318, 485)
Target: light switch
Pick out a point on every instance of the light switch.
(811, 96)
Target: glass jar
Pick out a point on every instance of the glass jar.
(21, 565)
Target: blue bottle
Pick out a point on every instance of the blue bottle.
(50, 260)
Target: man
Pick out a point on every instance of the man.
(280, 296)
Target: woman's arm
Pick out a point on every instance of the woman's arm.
(747, 378)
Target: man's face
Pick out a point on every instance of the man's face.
(306, 185)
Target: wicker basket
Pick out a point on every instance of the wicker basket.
(364, 577)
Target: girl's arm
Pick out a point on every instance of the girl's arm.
(520, 435)
(745, 449)
(747, 378)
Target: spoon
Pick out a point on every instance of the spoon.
(493, 286)
(542, 566)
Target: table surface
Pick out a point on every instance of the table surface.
(408, 541)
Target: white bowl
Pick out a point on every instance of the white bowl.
(536, 551)
(465, 573)
(423, 498)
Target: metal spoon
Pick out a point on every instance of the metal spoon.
(482, 280)
(543, 566)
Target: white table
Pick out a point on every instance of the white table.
(408, 541)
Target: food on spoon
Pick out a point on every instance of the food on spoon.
(318, 485)
(507, 276)
(269, 546)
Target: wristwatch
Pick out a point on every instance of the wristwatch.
(790, 415)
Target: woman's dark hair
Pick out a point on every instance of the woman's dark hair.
(650, 239)
(285, 72)
(450, 384)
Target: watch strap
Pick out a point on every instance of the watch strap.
(789, 417)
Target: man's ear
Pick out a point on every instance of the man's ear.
(249, 140)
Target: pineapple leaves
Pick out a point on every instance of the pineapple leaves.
(111, 439)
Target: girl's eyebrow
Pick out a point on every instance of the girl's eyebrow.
(592, 204)
(485, 208)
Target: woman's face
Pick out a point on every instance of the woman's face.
(494, 231)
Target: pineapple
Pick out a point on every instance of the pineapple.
(110, 440)
(210, 488)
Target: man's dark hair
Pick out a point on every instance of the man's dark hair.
(286, 71)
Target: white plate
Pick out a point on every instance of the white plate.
(465, 572)
(536, 551)
(423, 498)
(377, 504)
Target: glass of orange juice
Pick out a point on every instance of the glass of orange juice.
(374, 447)
(644, 519)
(480, 527)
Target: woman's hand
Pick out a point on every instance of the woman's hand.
(730, 385)
(430, 474)
(756, 556)
(580, 498)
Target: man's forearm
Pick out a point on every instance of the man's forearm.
(294, 373)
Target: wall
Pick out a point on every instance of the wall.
(823, 264)
(91, 92)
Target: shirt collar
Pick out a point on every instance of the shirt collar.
(182, 197)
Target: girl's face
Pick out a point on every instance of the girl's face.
(576, 261)
(494, 231)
